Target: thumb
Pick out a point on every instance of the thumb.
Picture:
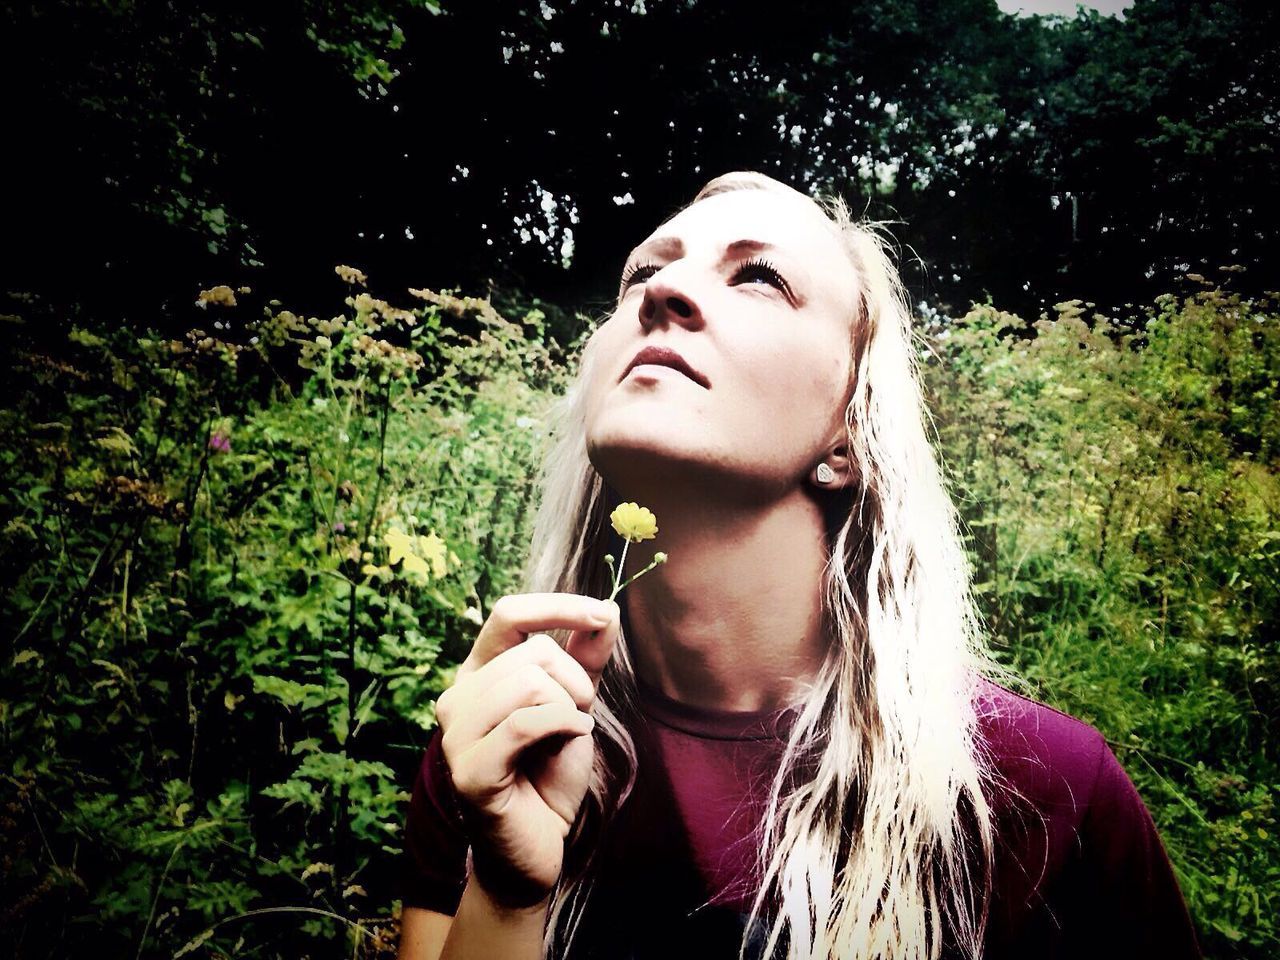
(593, 648)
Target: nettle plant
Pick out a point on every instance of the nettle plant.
(241, 572)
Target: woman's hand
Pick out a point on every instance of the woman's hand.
(516, 727)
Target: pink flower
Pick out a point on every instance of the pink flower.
(219, 442)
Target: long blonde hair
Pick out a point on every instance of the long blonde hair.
(877, 840)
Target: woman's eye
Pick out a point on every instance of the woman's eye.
(752, 269)
(763, 270)
(638, 274)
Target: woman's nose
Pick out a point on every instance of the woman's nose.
(665, 301)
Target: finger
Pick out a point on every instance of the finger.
(527, 686)
(594, 648)
(515, 616)
(489, 766)
(540, 649)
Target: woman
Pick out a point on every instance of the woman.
(788, 741)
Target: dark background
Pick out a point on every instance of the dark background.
(156, 149)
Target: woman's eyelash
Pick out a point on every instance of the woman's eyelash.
(629, 277)
(765, 269)
(756, 267)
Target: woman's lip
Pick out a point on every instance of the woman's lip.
(664, 356)
(655, 370)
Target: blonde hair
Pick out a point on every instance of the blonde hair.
(877, 839)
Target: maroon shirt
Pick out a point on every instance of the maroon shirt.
(1080, 869)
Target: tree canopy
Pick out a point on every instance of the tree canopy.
(529, 145)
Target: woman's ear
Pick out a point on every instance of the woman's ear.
(837, 470)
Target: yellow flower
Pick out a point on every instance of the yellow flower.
(414, 553)
(400, 544)
(634, 522)
(415, 564)
(433, 549)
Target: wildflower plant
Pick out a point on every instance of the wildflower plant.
(256, 556)
(634, 524)
(420, 556)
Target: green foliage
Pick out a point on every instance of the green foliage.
(161, 94)
(238, 575)
(1119, 485)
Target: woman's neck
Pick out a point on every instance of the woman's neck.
(732, 620)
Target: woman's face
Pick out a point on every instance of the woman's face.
(753, 291)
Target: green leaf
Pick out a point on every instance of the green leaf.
(290, 692)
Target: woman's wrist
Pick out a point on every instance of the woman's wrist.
(504, 890)
(484, 927)
(505, 908)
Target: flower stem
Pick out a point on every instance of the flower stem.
(622, 563)
(652, 563)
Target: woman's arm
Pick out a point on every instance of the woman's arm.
(1128, 876)
(484, 929)
(481, 929)
(422, 933)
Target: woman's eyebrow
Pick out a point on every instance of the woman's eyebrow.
(668, 246)
(741, 247)
(674, 247)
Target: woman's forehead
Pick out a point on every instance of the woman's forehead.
(778, 219)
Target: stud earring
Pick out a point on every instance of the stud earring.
(825, 473)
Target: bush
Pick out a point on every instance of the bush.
(239, 569)
(238, 574)
(1119, 482)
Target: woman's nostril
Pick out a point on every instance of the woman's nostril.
(677, 305)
